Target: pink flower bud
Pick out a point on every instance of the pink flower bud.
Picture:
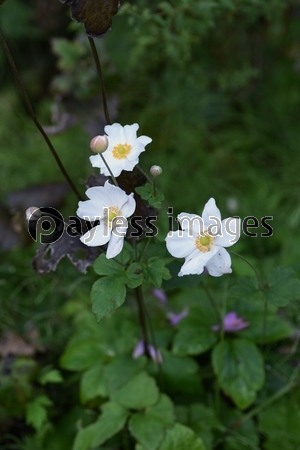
(99, 144)
(156, 171)
(32, 213)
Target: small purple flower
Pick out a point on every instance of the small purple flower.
(176, 318)
(232, 322)
(139, 350)
(160, 295)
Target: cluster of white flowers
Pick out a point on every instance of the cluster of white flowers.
(200, 241)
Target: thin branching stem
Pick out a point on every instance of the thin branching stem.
(142, 320)
(100, 75)
(33, 116)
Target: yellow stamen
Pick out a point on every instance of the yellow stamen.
(204, 242)
(120, 151)
(113, 212)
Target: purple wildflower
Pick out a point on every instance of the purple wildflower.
(155, 354)
(160, 295)
(232, 322)
(176, 318)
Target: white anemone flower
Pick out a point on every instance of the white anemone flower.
(123, 151)
(111, 205)
(201, 241)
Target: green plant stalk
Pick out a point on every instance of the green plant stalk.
(222, 335)
(142, 320)
(100, 75)
(33, 116)
(260, 285)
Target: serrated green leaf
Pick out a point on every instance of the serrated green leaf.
(283, 286)
(145, 191)
(51, 376)
(246, 288)
(108, 294)
(134, 275)
(156, 270)
(141, 391)
(80, 356)
(104, 266)
(180, 437)
(36, 411)
(92, 383)
(239, 367)
(148, 427)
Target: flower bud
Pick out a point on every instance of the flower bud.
(156, 171)
(32, 213)
(99, 144)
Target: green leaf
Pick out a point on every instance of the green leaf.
(280, 423)
(145, 191)
(50, 376)
(283, 286)
(239, 367)
(108, 294)
(84, 438)
(246, 288)
(155, 271)
(201, 419)
(134, 275)
(156, 201)
(80, 356)
(195, 335)
(121, 370)
(141, 391)
(92, 383)
(112, 420)
(36, 411)
(148, 427)
(180, 374)
(181, 437)
(104, 266)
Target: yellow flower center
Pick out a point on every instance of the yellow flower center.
(120, 151)
(113, 212)
(204, 242)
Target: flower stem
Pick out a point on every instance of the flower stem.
(100, 75)
(260, 285)
(142, 320)
(32, 114)
(110, 172)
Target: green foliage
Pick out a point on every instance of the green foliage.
(239, 367)
(36, 412)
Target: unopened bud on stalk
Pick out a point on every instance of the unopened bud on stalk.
(99, 144)
(32, 213)
(156, 171)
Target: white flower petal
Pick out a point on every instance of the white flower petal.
(179, 244)
(130, 133)
(192, 223)
(96, 161)
(144, 140)
(211, 214)
(220, 263)
(194, 263)
(90, 210)
(230, 233)
(116, 131)
(129, 207)
(98, 235)
(115, 246)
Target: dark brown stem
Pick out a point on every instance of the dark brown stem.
(142, 320)
(33, 116)
(99, 70)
